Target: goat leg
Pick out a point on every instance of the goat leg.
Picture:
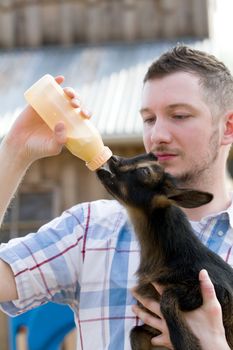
(180, 334)
(140, 338)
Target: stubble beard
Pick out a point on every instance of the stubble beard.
(201, 171)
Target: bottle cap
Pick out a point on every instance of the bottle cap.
(100, 159)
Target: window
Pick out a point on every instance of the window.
(32, 207)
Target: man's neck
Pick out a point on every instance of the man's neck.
(221, 201)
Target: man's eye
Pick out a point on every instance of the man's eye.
(149, 120)
(180, 116)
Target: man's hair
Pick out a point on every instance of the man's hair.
(214, 77)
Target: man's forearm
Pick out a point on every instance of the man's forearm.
(12, 170)
(13, 166)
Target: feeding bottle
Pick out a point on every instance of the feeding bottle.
(48, 99)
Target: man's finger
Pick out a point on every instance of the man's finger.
(146, 318)
(149, 304)
(60, 133)
(158, 287)
(85, 113)
(59, 79)
(162, 341)
(207, 287)
(70, 92)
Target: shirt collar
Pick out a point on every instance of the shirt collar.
(228, 211)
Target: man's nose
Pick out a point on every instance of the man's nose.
(160, 132)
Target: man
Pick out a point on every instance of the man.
(88, 256)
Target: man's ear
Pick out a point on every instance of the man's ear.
(227, 137)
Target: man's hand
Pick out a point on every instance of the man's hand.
(30, 137)
(158, 322)
(205, 322)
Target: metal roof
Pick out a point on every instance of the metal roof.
(108, 79)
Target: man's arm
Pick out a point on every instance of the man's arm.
(12, 170)
(8, 287)
(14, 162)
(28, 140)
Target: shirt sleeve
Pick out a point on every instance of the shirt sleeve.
(47, 265)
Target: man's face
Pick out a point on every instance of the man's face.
(178, 126)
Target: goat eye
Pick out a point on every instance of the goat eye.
(144, 172)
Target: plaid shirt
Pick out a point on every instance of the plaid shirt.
(87, 258)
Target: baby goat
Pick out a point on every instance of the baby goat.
(171, 254)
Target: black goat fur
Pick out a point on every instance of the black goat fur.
(171, 254)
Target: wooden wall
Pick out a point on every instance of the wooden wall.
(34, 22)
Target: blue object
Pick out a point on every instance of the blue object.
(47, 325)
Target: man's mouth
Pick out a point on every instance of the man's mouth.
(162, 157)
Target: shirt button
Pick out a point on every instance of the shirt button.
(220, 233)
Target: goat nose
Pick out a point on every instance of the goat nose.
(114, 162)
(115, 159)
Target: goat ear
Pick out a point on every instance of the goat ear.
(187, 198)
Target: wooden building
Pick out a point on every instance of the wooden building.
(64, 22)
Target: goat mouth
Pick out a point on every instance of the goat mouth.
(105, 167)
(105, 171)
(110, 166)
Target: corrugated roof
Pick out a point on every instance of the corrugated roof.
(108, 79)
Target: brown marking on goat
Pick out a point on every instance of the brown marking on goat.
(146, 164)
(169, 186)
(138, 218)
(155, 177)
(126, 168)
(124, 191)
(160, 202)
(130, 167)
